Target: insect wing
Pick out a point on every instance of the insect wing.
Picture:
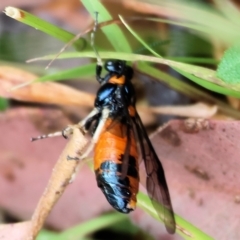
(156, 182)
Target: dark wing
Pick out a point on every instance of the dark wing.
(156, 182)
(125, 162)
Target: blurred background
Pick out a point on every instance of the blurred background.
(191, 166)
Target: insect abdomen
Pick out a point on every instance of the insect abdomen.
(119, 190)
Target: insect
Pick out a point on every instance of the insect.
(116, 127)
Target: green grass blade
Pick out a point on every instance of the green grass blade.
(73, 73)
(47, 235)
(186, 89)
(194, 60)
(210, 85)
(83, 229)
(184, 228)
(44, 26)
(203, 74)
(138, 37)
(93, 225)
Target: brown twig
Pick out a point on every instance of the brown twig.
(63, 173)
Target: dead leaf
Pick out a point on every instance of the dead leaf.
(196, 110)
(48, 92)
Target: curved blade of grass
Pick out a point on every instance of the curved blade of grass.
(92, 225)
(204, 74)
(44, 26)
(184, 228)
(209, 85)
(138, 38)
(186, 89)
(113, 32)
(46, 234)
(73, 73)
(195, 60)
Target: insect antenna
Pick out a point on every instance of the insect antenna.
(99, 60)
(56, 134)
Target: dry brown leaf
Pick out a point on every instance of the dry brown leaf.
(197, 110)
(48, 92)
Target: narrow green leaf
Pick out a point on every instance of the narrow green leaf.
(47, 235)
(187, 89)
(184, 228)
(209, 85)
(44, 26)
(195, 60)
(203, 74)
(78, 72)
(92, 225)
(138, 37)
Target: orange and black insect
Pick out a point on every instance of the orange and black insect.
(116, 127)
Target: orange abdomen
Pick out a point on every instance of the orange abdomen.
(119, 190)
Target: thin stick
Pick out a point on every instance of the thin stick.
(63, 173)
(68, 44)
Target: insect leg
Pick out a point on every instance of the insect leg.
(104, 117)
(81, 125)
(69, 130)
(56, 134)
